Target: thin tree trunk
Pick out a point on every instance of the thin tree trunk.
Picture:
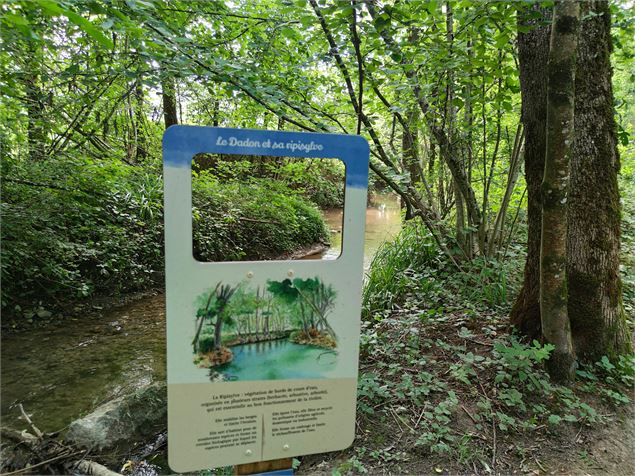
(461, 236)
(215, 112)
(168, 94)
(268, 313)
(496, 240)
(218, 327)
(202, 318)
(141, 146)
(469, 120)
(451, 124)
(556, 328)
(408, 147)
(598, 320)
(34, 101)
(533, 48)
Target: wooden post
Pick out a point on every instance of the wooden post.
(264, 466)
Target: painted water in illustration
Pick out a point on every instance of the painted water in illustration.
(278, 331)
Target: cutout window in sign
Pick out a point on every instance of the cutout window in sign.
(262, 355)
(264, 207)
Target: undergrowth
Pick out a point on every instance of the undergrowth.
(453, 385)
(444, 384)
(412, 270)
(255, 219)
(77, 228)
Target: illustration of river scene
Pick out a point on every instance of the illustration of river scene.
(274, 332)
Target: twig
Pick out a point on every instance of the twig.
(396, 420)
(575, 440)
(419, 419)
(487, 344)
(91, 467)
(77, 463)
(469, 414)
(255, 220)
(494, 445)
(41, 463)
(401, 419)
(539, 465)
(493, 429)
(36, 430)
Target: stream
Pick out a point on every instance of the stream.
(62, 371)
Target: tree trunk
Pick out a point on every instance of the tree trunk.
(556, 328)
(169, 101)
(598, 320)
(140, 124)
(408, 146)
(533, 49)
(461, 237)
(35, 101)
(452, 132)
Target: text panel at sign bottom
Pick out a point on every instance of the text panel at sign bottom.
(233, 423)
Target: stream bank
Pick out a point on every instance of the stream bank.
(63, 370)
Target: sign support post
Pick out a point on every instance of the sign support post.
(275, 467)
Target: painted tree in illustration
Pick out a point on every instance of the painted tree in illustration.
(320, 299)
(214, 313)
(312, 298)
(288, 297)
(242, 307)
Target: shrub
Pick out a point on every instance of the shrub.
(259, 219)
(72, 228)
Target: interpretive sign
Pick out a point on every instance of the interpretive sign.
(262, 356)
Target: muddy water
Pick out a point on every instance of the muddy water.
(383, 221)
(62, 371)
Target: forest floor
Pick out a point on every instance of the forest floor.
(453, 394)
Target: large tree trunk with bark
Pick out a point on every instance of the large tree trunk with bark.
(533, 49)
(556, 328)
(598, 321)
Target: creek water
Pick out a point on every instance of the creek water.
(383, 221)
(62, 371)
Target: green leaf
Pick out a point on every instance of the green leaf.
(554, 419)
(55, 9)
(15, 19)
(18, 22)
(501, 40)
(288, 33)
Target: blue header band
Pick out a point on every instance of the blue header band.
(182, 143)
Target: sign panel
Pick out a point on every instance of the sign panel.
(262, 356)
